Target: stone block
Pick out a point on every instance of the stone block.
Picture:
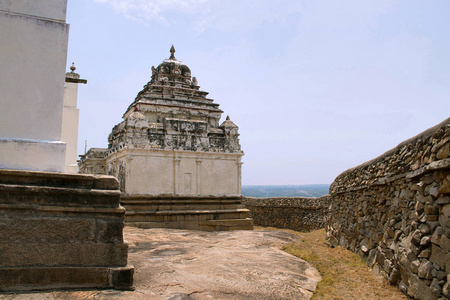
(426, 270)
(425, 241)
(446, 290)
(109, 231)
(46, 229)
(42, 278)
(121, 278)
(445, 187)
(415, 266)
(419, 290)
(438, 256)
(67, 254)
(55, 196)
(443, 200)
(446, 210)
(103, 182)
(435, 287)
(445, 243)
(65, 277)
(426, 253)
(395, 276)
(372, 257)
(443, 152)
(416, 237)
(424, 229)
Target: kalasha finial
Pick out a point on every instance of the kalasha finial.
(228, 118)
(73, 67)
(172, 52)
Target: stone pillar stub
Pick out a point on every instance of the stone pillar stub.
(70, 118)
(199, 176)
(239, 175)
(33, 54)
(176, 175)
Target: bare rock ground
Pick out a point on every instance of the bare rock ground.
(186, 264)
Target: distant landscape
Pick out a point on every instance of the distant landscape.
(310, 190)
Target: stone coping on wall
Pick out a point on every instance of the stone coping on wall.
(296, 213)
(412, 157)
(298, 202)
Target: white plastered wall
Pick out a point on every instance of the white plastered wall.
(33, 52)
(69, 132)
(179, 172)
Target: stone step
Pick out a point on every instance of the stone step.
(180, 200)
(179, 207)
(24, 195)
(210, 225)
(182, 216)
(186, 212)
(60, 180)
(230, 224)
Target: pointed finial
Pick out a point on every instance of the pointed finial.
(73, 67)
(228, 118)
(172, 52)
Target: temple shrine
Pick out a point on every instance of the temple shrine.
(176, 165)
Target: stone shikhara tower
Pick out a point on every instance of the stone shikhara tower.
(170, 143)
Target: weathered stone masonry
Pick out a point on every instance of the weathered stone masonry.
(296, 213)
(61, 231)
(394, 211)
(177, 167)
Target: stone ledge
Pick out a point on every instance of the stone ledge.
(187, 212)
(64, 209)
(48, 278)
(140, 197)
(53, 179)
(42, 195)
(73, 254)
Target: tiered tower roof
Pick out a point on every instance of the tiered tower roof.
(172, 85)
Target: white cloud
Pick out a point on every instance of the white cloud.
(146, 10)
(229, 16)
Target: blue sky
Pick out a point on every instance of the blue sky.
(316, 87)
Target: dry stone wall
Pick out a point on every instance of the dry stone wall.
(297, 213)
(394, 211)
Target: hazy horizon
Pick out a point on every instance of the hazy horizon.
(307, 190)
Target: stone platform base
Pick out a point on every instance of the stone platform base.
(178, 212)
(42, 278)
(61, 231)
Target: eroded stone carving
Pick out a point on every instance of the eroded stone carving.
(171, 114)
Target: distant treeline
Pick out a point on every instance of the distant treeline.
(310, 190)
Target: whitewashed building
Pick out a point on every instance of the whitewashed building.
(170, 144)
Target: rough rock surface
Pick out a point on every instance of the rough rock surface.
(185, 264)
